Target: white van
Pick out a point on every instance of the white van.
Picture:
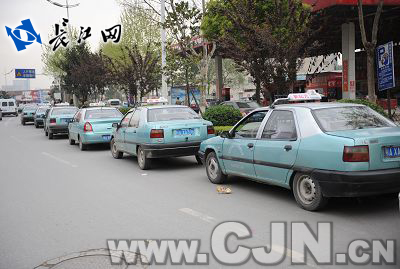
(8, 107)
(114, 103)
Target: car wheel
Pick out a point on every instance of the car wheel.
(82, 146)
(16, 114)
(36, 126)
(115, 153)
(46, 133)
(308, 193)
(71, 141)
(143, 161)
(23, 122)
(214, 172)
(198, 159)
(50, 134)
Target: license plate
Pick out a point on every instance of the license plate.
(66, 120)
(106, 137)
(184, 132)
(391, 152)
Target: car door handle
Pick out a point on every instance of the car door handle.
(288, 147)
(250, 145)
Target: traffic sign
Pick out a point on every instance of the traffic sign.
(25, 73)
(385, 66)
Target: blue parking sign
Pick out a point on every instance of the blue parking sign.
(385, 67)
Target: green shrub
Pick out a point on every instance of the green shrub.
(222, 115)
(219, 129)
(124, 110)
(375, 107)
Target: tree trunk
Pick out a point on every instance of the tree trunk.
(187, 87)
(371, 75)
(258, 90)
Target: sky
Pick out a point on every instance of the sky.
(97, 14)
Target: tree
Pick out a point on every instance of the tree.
(4, 95)
(370, 46)
(267, 38)
(183, 24)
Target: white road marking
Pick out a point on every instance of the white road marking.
(198, 215)
(59, 159)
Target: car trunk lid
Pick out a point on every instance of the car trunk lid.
(383, 143)
(183, 131)
(103, 125)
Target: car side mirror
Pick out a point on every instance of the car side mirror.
(116, 125)
(225, 134)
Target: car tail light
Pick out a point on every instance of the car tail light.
(52, 121)
(87, 127)
(157, 133)
(356, 154)
(210, 130)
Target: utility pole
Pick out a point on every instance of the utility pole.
(164, 86)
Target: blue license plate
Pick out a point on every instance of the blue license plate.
(66, 120)
(184, 132)
(107, 137)
(391, 152)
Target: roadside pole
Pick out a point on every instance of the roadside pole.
(164, 86)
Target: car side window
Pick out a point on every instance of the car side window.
(249, 127)
(4, 104)
(77, 116)
(135, 119)
(126, 119)
(280, 126)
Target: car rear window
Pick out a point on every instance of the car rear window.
(29, 108)
(41, 110)
(114, 103)
(4, 104)
(350, 118)
(64, 111)
(102, 114)
(171, 113)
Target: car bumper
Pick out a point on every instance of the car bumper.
(39, 121)
(27, 119)
(58, 129)
(356, 184)
(9, 113)
(96, 138)
(171, 150)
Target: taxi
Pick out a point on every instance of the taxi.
(317, 150)
(92, 125)
(159, 131)
(57, 120)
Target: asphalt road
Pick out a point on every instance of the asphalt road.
(56, 200)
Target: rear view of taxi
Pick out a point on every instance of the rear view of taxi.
(57, 120)
(93, 126)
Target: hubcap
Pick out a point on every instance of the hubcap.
(140, 157)
(306, 189)
(212, 168)
(114, 148)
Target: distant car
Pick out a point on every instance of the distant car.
(40, 116)
(9, 107)
(57, 120)
(158, 132)
(114, 103)
(93, 126)
(318, 150)
(245, 107)
(28, 113)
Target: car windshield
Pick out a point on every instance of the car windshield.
(171, 113)
(64, 111)
(350, 118)
(102, 114)
(247, 104)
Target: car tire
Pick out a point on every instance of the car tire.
(36, 126)
(114, 152)
(71, 141)
(23, 123)
(82, 146)
(213, 169)
(143, 162)
(50, 134)
(16, 114)
(308, 193)
(198, 159)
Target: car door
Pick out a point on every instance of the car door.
(237, 152)
(276, 151)
(120, 132)
(131, 133)
(74, 125)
